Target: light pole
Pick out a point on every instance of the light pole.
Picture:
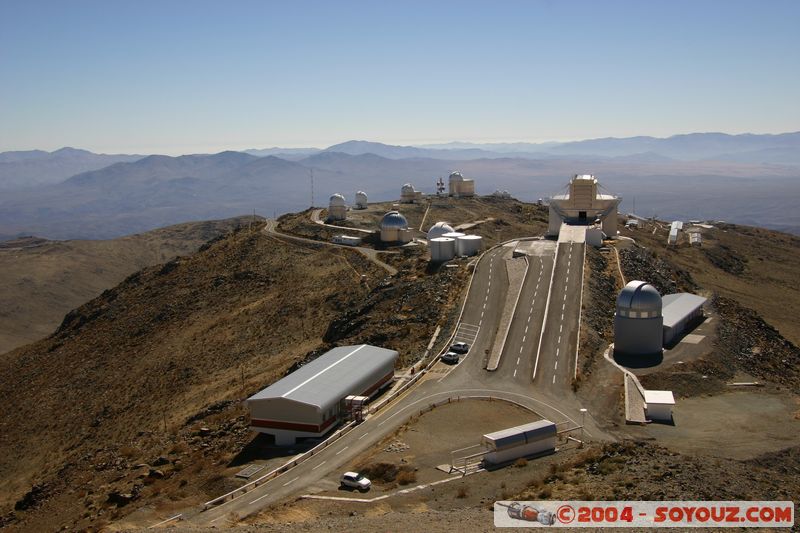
(583, 423)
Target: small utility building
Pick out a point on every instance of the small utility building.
(659, 404)
(679, 311)
(309, 401)
(521, 441)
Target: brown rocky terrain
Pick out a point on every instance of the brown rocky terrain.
(139, 389)
(133, 404)
(43, 280)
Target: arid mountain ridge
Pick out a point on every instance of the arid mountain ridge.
(136, 372)
(690, 176)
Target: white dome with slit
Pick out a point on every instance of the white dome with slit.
(394, 220)
(439, 229)
(337, 200)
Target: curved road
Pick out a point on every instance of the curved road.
(549, 394)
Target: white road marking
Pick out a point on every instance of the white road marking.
(559, 339)
(515, 372)
(343, 449)
(556, 367)
(554, 380)
(562, 314)
(520, 349)
(523, 338)
(322, 463)
(484, 305)
(364, 435)
(259, 498)
(565, 296)
(561, 328)
(526, 329)
(218, 518)
(557, 351)
(517, 360)
(291, 481)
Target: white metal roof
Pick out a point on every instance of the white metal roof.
(516, 436)
(331, 376)
(663, 397)
(676, 307)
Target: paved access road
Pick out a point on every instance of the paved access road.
(522, 342)
(479, 322)
(555, 368)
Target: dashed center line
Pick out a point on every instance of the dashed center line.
(291, 481)
(554, 380)
(556, 367)
(259, 498)
(343, 449)
(322, 463)
(517, 360)
(515, 372)
(364, 435)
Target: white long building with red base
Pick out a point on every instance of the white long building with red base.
(309, 402)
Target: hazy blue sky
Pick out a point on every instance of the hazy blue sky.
(180, 76)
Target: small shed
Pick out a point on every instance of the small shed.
(659, 404)
(347, 240)
(520, 441)
(680, 310)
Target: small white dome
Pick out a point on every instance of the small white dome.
(439, 229)
(337, 200)
(641, 297)
(456, 176)
(407, 188)
(361, 197)
(394, 220)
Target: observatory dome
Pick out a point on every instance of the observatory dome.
(439, 229)
(639, 299)
(407, 188)
(456, 176)
(361, 197)
(393, 220)
(337, 200)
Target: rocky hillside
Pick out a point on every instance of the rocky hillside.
(43, 280)
(134, 399)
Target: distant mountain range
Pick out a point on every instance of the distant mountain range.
(37, 167)
(746, 148)
(139, 193)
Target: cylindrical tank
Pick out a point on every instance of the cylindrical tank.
(442, 249)
(469, 245)
(453, 234)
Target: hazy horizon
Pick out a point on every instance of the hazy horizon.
(198, 77)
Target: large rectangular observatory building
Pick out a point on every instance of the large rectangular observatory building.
(308, 402)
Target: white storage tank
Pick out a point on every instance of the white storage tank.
(468, 245)
(442, 249)
(453, 234)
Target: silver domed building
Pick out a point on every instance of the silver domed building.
(337, 207)
(638, 322)
(461, 187)
(394, 228)
(439, 229)
(409, 195)
(361, 200)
